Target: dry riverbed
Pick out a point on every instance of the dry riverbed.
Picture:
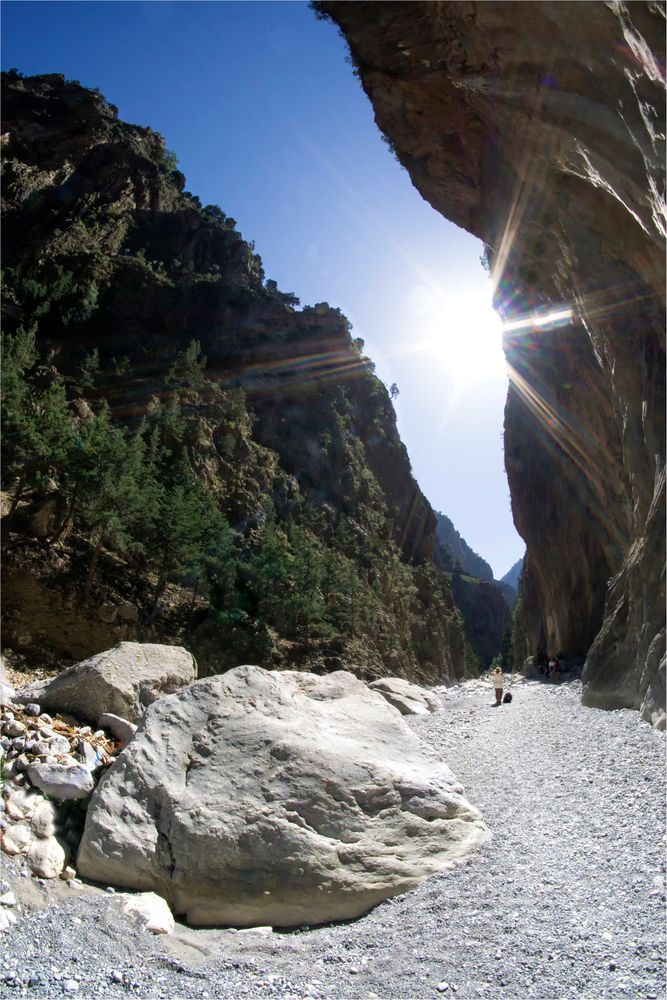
(566, 901)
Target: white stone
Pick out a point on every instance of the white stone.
(62, 781)
(16, 839)
(21, 804)
(7, 918)
(152, 910)
(121, 729)
(13, 728)
(44, 819)
(123, 680)
(275, 798)
(8, 899)
(7, 693)
(47, 857)
(408, 698)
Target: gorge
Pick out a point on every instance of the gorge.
(210, 520)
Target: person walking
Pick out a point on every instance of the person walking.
(498, 679)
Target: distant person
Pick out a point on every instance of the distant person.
(498, 680)
(552, 668)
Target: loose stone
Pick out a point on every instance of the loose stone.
(14, 728)
(62, 781)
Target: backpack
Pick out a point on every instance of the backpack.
(507, 697)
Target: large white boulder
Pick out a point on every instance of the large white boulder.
(259, 797)
(123, 681)
(408, 698)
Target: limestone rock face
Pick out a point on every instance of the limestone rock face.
(540, 128)
(122, 681)
(408, 698)
(257, 798)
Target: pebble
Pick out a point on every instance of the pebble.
(32, 708)
(71, 985)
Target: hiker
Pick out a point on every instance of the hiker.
(552, 668)
(498, 680)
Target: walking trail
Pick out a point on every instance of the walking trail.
(567, 900)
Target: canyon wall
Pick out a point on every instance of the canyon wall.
(540, 128)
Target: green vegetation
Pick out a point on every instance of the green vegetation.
(228, 461)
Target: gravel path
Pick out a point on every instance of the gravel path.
(566, 901)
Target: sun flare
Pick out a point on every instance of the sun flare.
(461, 332)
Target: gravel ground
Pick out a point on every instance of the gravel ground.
(567, 900)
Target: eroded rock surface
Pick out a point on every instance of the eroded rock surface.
(122, 681)
(408, 698)
(540, 128)
(257, 798)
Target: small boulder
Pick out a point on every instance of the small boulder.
(62, 781)
(44, 820)
(21, 803)
(152, 910)
(123, 680)
(16, 839)
(408, 698)
(47, 857)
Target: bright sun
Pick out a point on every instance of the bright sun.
(461, 332)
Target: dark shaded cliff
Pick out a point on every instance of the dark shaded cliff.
(482, 602)
(486, 615)
(229, 398)
(540, 128)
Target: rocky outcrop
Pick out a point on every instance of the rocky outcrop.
(122, 681)
(540, 128)
(281, 798)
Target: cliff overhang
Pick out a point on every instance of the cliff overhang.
(540, 129)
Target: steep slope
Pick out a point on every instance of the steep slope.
(269, 476)
(454, 548)
(509, 584)
(513, 574)
(539, 128)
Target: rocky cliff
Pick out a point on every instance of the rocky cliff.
(540, 128)
(141, 333)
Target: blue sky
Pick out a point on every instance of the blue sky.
(267, 120)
